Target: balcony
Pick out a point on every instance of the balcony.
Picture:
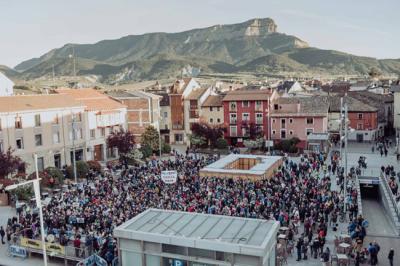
(177, 126)
(233, 134)
(233, 121)
(193, 114)
(258, 108)
(259, 121)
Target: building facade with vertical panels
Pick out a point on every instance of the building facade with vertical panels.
(42, 124)
(143, 110)
(170, 238)
(105, 115)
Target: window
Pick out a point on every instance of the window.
(56, 137)
(103, 132)
(38, 140)
(56, 120)
(245, 116)
(232, 118)
(77, 117)
(290, 132)
(19, 143)
(217, 109)
(165, 114)
(232, 106)
(360, 116)
(178, 137)
(273, 132)
(290, 121)
(360, 126)
(245, 103)
(18, 122)
(283, 134)
(40, 162)
(259, 118)
(79, 133)
(37, 120)
(1, 146)
(211, 109)
(283, 123)
(165, 126)
(309, 131)
(244, 132)
(276, 107)
(273, 121)
(259, 105)
(0, 124)
(310, 121)
(93, 133)
(218, 120)
(233, 130)
(211, 120)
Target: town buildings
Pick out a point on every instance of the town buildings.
(298, 117)
(212, 111)
(104, 115)
(245, 110)
(43, 125)
(143, 110)
(362, 119)
(395, 89)
(6, 85)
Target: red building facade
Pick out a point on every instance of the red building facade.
(245, 114)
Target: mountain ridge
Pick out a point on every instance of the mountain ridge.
(251, 46)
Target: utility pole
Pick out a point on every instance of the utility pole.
(73, 148)
(345, 152)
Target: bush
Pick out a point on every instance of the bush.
(221, 144)
(54, 177)
(147, 151)
(94, 166)
(82, 169)
(288, 145)
(166, 148)
(24, 192)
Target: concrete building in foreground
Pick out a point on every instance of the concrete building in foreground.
(173, 238)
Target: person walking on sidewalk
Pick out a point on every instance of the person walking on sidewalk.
(391, 256)
(2, 234)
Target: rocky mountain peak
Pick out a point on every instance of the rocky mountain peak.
(257, 27)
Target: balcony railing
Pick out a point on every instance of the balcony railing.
(259, 121)
(193, 114)
(233, 121)
(233, 134)
(258, 108)
(177, 126)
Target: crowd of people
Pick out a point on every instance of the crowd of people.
(299, 196)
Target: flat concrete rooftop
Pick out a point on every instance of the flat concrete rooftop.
(236, 234)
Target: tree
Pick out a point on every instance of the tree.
(210, 133)
(197, 140)
(9, 163)
(253, 144)
(221, 144)
(82, 169)
(374, 72)
(151, 138)
(253, 131)
(124, 141)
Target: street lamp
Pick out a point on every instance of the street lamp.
(36, 189)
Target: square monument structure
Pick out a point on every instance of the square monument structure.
(254, 167)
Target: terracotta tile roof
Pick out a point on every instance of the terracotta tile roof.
(92, 99)
(247, 95)
(353, 104)
(317, 105)
(21, 103)
(196, 94)
(213, 100)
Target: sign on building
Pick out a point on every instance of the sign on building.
(169, 177)
(17, 251)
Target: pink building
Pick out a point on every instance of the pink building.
(299, 117)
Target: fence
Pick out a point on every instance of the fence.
(53, 249)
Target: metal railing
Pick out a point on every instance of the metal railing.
(391, 196)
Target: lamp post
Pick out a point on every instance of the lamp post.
(36, 189)
(73, 148)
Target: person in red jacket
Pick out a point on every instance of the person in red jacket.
(77, 245)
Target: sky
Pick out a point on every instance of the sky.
(31, 28)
